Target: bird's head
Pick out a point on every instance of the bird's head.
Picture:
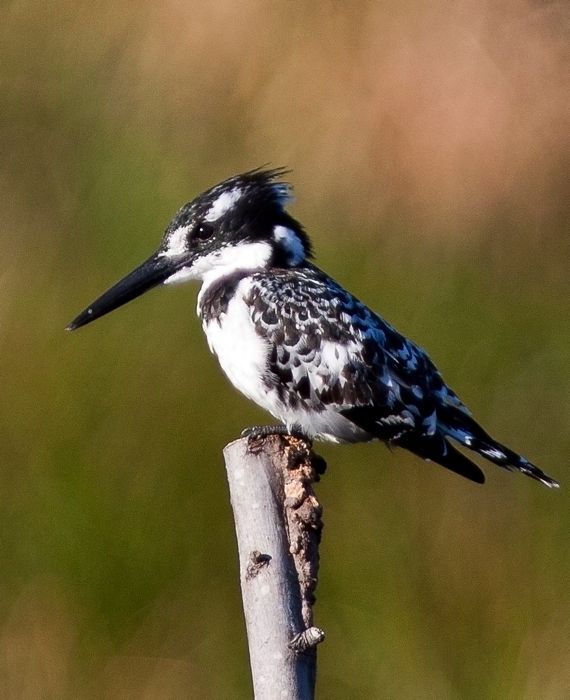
(239, 224)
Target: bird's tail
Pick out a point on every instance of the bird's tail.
(435, 448)
(454, 423)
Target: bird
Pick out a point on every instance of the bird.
(295, 342)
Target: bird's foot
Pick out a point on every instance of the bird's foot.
(258, 432)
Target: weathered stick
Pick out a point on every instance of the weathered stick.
(278, 526)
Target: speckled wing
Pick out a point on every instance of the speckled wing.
(328, 350)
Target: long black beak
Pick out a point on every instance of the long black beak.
(151, 273)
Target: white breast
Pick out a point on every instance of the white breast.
(243, 356)
(241, 352)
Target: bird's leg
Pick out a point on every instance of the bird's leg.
(260, 431)
(257, 432)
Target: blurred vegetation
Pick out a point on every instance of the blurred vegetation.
(429, 143)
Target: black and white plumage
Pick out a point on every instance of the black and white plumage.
(294, 341)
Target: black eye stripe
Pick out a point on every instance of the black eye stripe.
(202, 231)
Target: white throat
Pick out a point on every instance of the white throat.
(223, 262)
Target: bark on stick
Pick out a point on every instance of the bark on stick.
(278, 525)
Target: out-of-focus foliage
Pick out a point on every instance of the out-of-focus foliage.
(429, 143)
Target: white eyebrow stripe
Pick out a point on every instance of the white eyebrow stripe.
(177, 243)
(222, 204)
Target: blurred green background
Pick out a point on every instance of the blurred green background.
(429, 143)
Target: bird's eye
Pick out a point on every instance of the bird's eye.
(203, 231)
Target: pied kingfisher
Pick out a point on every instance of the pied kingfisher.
(294, 341)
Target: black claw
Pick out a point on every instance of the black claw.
(257, 432)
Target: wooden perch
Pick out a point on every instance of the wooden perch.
(278, 527)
